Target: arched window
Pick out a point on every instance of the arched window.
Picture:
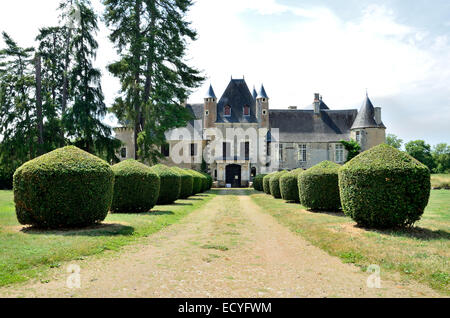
(246, 110)
(227, 111)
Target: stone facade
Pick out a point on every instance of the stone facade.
(293, 138)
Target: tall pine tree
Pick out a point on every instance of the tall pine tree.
(151, 37)
(83, 119)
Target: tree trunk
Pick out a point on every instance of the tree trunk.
(40, 122)
(137, 74)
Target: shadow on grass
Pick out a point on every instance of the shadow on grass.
(102, 229)
(181, 204)
(419, 233)
(331, 213)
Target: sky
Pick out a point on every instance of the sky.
(397, 50)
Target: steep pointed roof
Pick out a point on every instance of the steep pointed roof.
(366, 116)
(262, 93)
(254, 93)
(210, 93)
(237, 95)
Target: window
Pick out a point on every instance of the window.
(264, 112)
(123, 153)
(246, 110)
(227, 111)
(226, 149)
(280, 147)
(165, 150)
(269, 145)
(215, 174)
(207, 112)
(193, 150)
(247, 150)
(358, 136)
(302, 153)
(339, 153)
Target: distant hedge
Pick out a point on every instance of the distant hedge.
(187, 183)
(266, 183)
(289, 185)
(170, 184)
(258, 182)
(319, 187)
(198, 181)
(275, 184)
(65, 188)
(136, 187)
(384, 187)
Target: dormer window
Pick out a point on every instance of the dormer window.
(246, 110)
(227, 111)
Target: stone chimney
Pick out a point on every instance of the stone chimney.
(292, 107)
(317, 103)
(377, 115)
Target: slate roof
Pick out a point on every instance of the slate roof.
(262, 93)
(366, 116)
(210, 92)
(304, 126)
(236, 95)
(322, 106)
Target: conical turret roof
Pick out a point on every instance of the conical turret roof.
(210, 93)
(366, 116)
(262, 93)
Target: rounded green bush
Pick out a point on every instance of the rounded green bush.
(170, 188)
(65, 188)
(318, 187)
(258, 182)
(266, 183)
(187, 183)
(384, 188)
(209, 181)
(197, 182)
(136, 187)
(289, 185)
(275, 184)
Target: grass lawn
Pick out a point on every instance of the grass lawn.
(421, 253)
(29, 253)
(440, 181)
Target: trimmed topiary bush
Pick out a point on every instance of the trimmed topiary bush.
(170, 188)
(65, 188)
(266, 183)
(197, 182)
(209, 181)
(187, 183)
(318, 187)
(289, 185)
(258, 182)
(136, 187)
(275, 184)
(384, 188)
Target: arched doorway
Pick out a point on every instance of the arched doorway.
(233, 175)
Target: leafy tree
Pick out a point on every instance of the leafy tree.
(83, 119)
(353, 148)
(151, 38)
(421, 151)
(441, 157)
(18, 122)
(394, 141)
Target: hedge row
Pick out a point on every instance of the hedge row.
(69, 188)
(258, 182)
(380, 188)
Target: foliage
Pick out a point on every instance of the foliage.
(6, 179)
(67, 187)
(274, 184)
(136, 187)
(289, 185)
(258, 182)
(352, 147)
(170, 187)
(151, 38)
(384, 187)
(421, 151)
(209, 181)
(441, 158)
(318, 187)
(83, 120)
(198, 181)
(187, 183)
(393, 141)
(266, 183)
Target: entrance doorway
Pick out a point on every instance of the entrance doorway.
(233, 175)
